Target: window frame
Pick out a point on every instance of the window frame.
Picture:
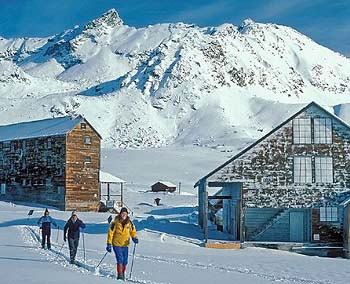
(305, 175)
(329, 214)
(321, 169)
(312, 130)
(87, 137)
(83, 125)
(85, 160)
(294, 124)
(325, 130)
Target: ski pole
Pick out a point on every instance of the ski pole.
(58, 233)
(101, 260)
(132, 263)
(59, 252)
(84, 245)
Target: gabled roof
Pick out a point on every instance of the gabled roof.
(109, 178)
(39, 128)
(271, 132)
(166, 183)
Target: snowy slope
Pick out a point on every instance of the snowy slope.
(169, 83)
(170, 251)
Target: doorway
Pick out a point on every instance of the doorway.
(296, 226)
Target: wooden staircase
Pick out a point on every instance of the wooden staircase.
(276, 228)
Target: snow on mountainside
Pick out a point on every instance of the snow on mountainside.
(170, 83)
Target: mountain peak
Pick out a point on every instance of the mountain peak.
(246, 25)
(110, 18)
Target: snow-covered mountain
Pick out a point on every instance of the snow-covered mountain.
(170, 83)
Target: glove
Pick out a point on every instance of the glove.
(109, 248)
(135, 240)
(64, 238)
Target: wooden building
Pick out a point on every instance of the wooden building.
(52, 161)
(292, 185)
(163, 186)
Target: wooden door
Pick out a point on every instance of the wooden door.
(296, 221)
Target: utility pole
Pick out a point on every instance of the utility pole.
(179, 187)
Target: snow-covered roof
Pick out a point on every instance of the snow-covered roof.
(167, 183)
(109, 178)
(38, 128)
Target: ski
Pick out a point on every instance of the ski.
(92, 269)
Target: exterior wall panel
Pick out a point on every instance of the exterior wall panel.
(34, 170)
(82, 171)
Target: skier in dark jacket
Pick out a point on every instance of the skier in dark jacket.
(45, 224)
(73, 226)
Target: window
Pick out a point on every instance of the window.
(328, 214)
(324, 169)
(3, 188)
(302, 131)
(82, 125)
(302, 170)
(87, 160)
(48, 161)
(87, 140)
(7, 145)
(322, 131)
(60, 190)
(49, 143)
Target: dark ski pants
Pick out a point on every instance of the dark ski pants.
(45, 238)
(121, 254)
(73, 247)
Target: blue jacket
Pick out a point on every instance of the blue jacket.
(73, 228)
(45, 222)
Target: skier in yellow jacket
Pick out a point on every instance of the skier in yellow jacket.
(119, 234)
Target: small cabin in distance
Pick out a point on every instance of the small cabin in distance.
(163, 186)
(53, 161)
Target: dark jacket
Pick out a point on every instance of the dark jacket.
(45, 223)
(73, 228)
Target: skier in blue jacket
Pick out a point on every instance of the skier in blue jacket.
(45, 224)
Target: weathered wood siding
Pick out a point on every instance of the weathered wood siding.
(82, 177)
(268, 169)
(34, 170)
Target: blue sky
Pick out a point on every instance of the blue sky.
(325, 21)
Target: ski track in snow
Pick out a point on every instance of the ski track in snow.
(107, 271)
(89, 266)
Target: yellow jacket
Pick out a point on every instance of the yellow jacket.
(119, 236)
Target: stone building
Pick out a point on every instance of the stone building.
(292, 185)
(52, 161)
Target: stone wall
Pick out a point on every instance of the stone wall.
(267, 168)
